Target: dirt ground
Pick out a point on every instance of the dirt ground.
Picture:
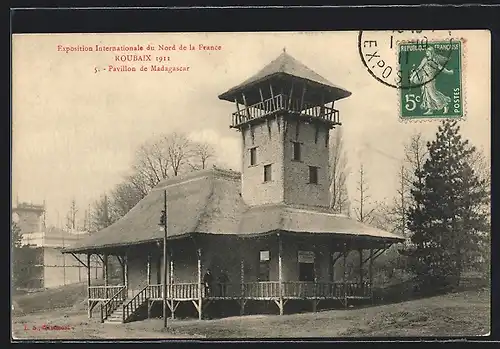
(456, 314)
(74, 324)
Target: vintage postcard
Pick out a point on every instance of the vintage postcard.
(251, 185)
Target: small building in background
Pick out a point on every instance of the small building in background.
(44, 264)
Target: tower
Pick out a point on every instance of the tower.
(28, 217)
(284, 114)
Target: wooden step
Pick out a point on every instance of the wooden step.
(113, 322)
(115, 315)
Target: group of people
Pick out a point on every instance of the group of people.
(208, 282)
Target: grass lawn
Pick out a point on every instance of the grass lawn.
(456, 314)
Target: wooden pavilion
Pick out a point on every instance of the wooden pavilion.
(267, 228)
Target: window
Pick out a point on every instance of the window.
(264, 266)
(313, 175)
(253, 156)
(267, 173)
(296, 151)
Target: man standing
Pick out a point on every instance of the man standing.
(223, 280)
(208, 279)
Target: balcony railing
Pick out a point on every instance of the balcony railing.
(282, 102)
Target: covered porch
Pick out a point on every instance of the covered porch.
(277, 267)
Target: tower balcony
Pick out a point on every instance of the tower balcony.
(279, 103)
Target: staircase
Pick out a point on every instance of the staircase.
(119, 309)
(116, 317)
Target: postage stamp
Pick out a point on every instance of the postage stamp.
(433, 72)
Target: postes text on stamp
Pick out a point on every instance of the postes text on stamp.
(433, 71)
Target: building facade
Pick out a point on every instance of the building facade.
(265, 233)
(46, 266)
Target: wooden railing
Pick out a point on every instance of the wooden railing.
(113, 303)
(155, 291)
(176, 291)
(325, 290)
(265, 289)
(356, 289)
(135, 302)
(282, 102)
(223, 290)
(103, 292)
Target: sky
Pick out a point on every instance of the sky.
(75, 131)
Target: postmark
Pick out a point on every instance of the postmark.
(433, 72)
(378, 51)
(419, 64)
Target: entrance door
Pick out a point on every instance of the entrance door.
(306, 272)
(306, 266)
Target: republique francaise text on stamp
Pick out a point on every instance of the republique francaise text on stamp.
(433, 71)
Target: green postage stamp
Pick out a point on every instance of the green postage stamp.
(432, 75)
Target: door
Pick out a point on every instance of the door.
(306, 272)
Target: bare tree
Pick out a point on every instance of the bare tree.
(158, 159)
(71, 216)
(396, 213)
(202, 153)
(85, 226)
(165, 156)
(339, 200)
(363, 212)
(481, 166)
(124, 197)
(179, 150)
(150, 165)
(482, 169)
(140, 183)
(100, 217)
(415, 155)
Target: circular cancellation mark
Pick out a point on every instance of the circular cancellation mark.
(400, 69)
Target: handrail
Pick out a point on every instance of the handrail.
(135, 302)
(103, 292)
(269, 289)
(113, 303)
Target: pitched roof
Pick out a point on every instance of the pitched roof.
(285, 64)
(209, 202)
(315, 220)
(202, 201)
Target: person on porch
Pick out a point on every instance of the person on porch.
(223, 280)
(208, 279)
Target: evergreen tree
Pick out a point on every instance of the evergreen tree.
(17, 260)
(447, 218)
(17, 236)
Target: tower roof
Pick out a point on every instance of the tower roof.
(286, 65)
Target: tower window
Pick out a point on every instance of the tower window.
(296, 151)
(267, 173)
(313, 175)
(253, 156)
